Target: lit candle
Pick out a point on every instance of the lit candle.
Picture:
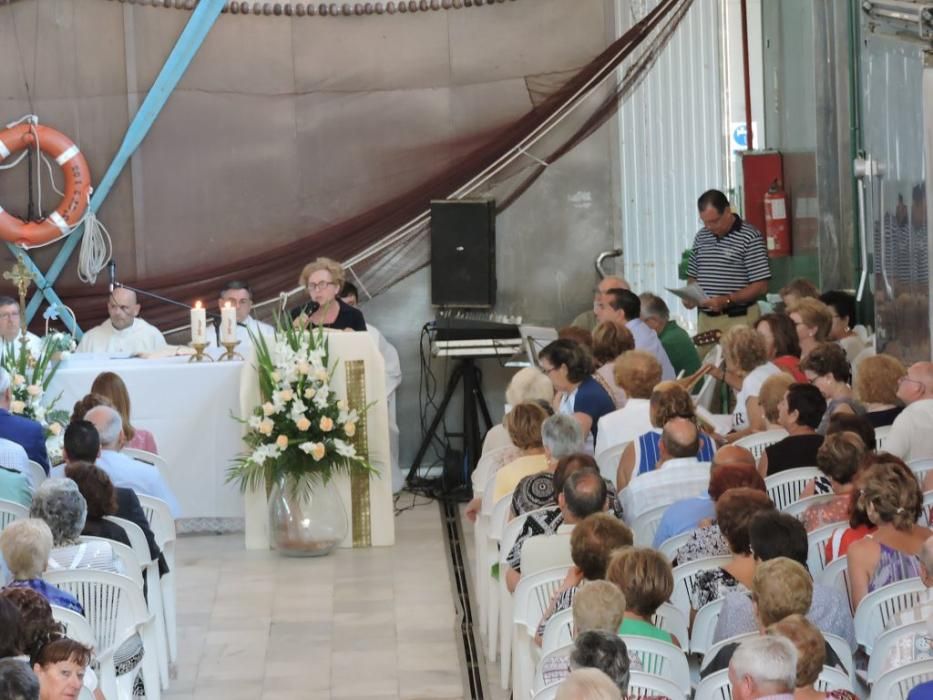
(228, 324)
(198, 325)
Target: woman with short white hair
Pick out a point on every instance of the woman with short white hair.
(25, 545)
(764, 667)
(60, 504)
(588, 684)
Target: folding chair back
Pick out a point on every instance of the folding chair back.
(879, 607)
(881, 437)
(10, 511)
(785, 487)
(674, 622)
(817, 539)
(646, 525)
(836, 575)
(661, 659)
(704, 625)
(897, 683)
(757, 442)
(685, 579)
(557, 631)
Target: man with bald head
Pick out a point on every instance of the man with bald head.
(911, 435)
(587, 319)
(680, 439)
(124, 333)
(685, 515)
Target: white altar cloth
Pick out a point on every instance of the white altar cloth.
(189, 409)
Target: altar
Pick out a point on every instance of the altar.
(192, 409)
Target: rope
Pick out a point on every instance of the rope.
(96, 249)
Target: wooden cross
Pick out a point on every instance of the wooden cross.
(21, 278)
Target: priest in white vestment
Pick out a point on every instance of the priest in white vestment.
(240, 296)
(124, 333)
(11, 330)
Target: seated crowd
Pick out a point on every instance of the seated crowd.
(69, 528)
(618, 473)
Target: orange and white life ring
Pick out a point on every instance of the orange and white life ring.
(77, 185)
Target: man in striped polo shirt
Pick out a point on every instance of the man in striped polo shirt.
(730, 263)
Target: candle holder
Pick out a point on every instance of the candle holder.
(199, 355)
(231, 354)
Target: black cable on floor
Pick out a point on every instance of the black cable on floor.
(460, 582)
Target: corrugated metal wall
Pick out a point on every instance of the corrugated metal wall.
(673, 147)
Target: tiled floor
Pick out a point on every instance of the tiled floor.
(376, 623)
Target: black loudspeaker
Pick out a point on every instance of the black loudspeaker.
(463, 253)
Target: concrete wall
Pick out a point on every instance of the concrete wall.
(545, 248)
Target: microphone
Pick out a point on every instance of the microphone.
(112, 270)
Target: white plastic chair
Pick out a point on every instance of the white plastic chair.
(640, 684)
(76, 626)
(529, 602)
(132, 569)
(562, 651)
(543, 552)
(152, 458)
(150, 570)
(162, 525)
(844, 652)
(497, 523)
(674, 622)
(557, 631)
(509, 536)
(36, 474)
(713, 649)
(831, 678)
(646, 524)
(881, 437)
(897, 683)
(920, 467)
(785, 487)
(715, 686)
(670, 546)
(481, 559)
(116, 610)
(798, 508)
(888, 639)
(926, 513)
(817, 539)
(10, 511)
(880, 606)
(836, 575)
(685, 579)
(608, 460)
(757, 442)
(548, 692)
(704, 625)
(661, 659)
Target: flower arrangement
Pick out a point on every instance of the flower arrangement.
(300, 432)
(30, 378)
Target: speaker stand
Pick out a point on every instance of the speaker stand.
(468, 374)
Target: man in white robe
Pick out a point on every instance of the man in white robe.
(11, 331)
(349, 295)
(240, 296)
(124, 333)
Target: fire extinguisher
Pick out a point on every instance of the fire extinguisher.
(777, 221)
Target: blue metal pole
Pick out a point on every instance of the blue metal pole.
(190, 40)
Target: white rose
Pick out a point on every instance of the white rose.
(34, 390)
(17, 406)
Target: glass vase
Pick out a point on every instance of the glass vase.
(311, 522)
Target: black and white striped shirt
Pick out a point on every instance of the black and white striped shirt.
(725, 265)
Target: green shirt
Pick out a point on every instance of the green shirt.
(15, 487)
(680, 349)
(640, 628)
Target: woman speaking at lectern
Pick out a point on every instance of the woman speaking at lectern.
(323, 280)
